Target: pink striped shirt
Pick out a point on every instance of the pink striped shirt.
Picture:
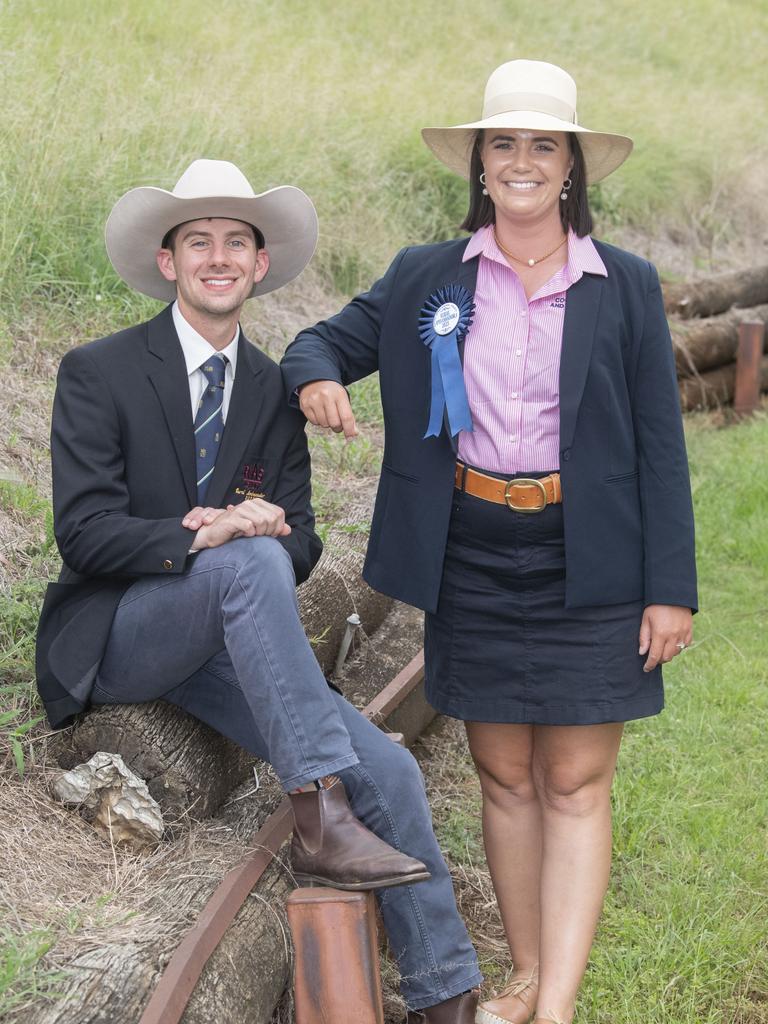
(512, 359)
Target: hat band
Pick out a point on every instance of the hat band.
(540, 102)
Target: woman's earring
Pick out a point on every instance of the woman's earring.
(566, 188)
(482, 182)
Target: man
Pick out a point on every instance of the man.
(182, 513)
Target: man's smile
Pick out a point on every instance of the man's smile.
(219, 283)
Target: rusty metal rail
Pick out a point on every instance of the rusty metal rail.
(336, 975)
(178, 980)
(749, 357)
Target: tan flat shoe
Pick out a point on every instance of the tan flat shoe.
(523, 988)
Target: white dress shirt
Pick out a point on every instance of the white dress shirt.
(196, 351)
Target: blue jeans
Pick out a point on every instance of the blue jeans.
(224, 642)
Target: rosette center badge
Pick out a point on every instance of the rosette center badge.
(446, 318)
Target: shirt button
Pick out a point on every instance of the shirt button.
(523, 312)
(167, 564)
(518, 351)
(514, 395)
(513, 437)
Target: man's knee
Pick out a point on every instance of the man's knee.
(255, 555)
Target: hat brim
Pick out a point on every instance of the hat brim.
(603, 152)
(140, 220)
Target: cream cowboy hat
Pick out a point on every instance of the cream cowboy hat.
(140, 220)
(534, 95)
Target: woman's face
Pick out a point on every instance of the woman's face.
(524, 172)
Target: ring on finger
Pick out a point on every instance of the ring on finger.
(680, 645)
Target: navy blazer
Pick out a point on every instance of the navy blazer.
(626, 492)
(124, 476)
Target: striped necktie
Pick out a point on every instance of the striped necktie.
(209, 422)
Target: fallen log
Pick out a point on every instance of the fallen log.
(240, 984)
(706, 344)
(715, 388)
(712, 295)
(189, 768)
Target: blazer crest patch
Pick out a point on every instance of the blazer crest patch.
(252, 479)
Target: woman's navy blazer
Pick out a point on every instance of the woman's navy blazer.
(626, 491)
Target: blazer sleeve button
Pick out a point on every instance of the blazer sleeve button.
(167, 564)
(566, 454)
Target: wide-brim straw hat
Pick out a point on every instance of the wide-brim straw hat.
(534, 95)
(140, 220)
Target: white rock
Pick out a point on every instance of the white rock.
(124, 808)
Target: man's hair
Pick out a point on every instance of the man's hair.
(169, 238)
(574, 211)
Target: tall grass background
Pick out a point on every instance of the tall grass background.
(100, 96)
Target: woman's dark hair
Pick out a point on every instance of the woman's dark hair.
(169, 238)
(574, 211)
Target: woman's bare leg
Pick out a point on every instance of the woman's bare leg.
(547, 831)
(573, 769)
(503, 754)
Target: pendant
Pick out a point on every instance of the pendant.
(531, 263)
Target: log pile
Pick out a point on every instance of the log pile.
(704, 318)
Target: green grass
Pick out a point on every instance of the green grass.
(359, 457)
(22, 980)
(20, 601)
(20, 708)
(100, 96)
(683, 939)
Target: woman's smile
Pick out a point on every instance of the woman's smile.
(522, 185)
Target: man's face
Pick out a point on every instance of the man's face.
(215, 263)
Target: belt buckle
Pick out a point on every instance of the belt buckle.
(525, 480)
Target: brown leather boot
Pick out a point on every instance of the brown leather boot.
(331, 847)
(459, 1010)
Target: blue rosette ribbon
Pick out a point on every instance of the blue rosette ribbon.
(444, 319)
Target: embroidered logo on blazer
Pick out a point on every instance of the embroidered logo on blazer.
(253, 474)
(253, 477)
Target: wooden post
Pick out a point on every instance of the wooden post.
(336, 959)
(748, 363)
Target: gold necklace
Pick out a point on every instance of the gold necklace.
(530, 262)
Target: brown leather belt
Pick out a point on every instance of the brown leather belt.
(523, 494)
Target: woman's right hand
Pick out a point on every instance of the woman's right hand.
(326, 404)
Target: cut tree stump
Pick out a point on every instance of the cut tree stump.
(702, 345)
(712, 295)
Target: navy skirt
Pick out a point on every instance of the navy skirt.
(502, 646)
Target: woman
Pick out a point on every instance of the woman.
(549, 534)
